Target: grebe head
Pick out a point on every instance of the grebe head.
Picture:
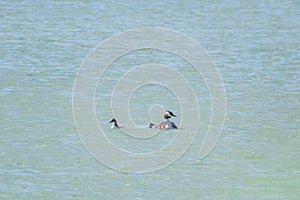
(172, 114)
(168, 114)
(112, 120)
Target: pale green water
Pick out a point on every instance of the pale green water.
(256, 47)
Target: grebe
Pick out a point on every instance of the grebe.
(167, 124)
(115, 124)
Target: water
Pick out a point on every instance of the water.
(256, 48)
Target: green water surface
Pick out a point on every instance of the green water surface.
(255, 45)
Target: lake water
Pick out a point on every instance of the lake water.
(255, 46)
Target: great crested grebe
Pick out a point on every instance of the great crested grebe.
(115, 124)
(167, 124)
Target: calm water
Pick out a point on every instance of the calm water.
(255, 45)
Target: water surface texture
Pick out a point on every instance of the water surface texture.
(255, 45)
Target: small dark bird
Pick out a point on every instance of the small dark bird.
(115, 124)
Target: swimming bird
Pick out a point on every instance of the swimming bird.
(115, 124)
(167, 124)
